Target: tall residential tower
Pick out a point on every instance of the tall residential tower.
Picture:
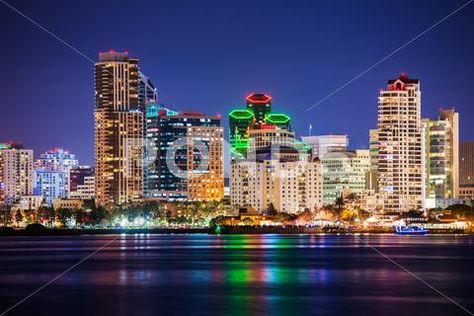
(120, 94)
(400, 145)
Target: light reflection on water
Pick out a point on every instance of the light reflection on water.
(238, 274)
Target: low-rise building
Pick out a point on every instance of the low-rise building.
(28, 202)
(69, 204)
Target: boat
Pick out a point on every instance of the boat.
(410, 230)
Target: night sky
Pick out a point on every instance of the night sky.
(208, 55)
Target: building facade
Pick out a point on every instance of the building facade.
(16, 173)
(190, 158)
(52, 172)
(152, 178)
(324, 144)
(441, 138)
(466, 164)
(286, 186)
(121, 96)
(51, 184)
(82, 183)
(345, 173)
(400, 146)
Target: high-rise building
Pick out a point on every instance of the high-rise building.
(189, 162)
(146, 92)
(269, 168)
(344, 173)
(400, 145)
(323, 144)
(16, 172)
(120, 94)
(152, 183)
(257, 116)
(82, 183)
(442, 155)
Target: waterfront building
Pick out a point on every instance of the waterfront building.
(269, 168)
(323, 144)
(190, 161)
(344, 173)
(121, 96)
(289, 186)
(441, 138)
(16, 172)
(68, 204)
(28, 202)
(400, 146)
(51, 184)
(51, 175)
(82, 183)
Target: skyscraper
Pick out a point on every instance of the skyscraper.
(120, 91)
(268, 167)
(400, 152)
(189, 161)
(441, 138)
(16, 172)
(152, 183)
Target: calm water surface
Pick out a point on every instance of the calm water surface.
(237, 275)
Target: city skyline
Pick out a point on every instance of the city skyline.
(294, 76)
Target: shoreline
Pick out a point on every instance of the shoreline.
(224, 230)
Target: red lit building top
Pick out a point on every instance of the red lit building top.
(259, 98)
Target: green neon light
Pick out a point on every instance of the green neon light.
(241, 114)
(277, 118)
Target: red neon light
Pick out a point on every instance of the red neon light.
(266, 99)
